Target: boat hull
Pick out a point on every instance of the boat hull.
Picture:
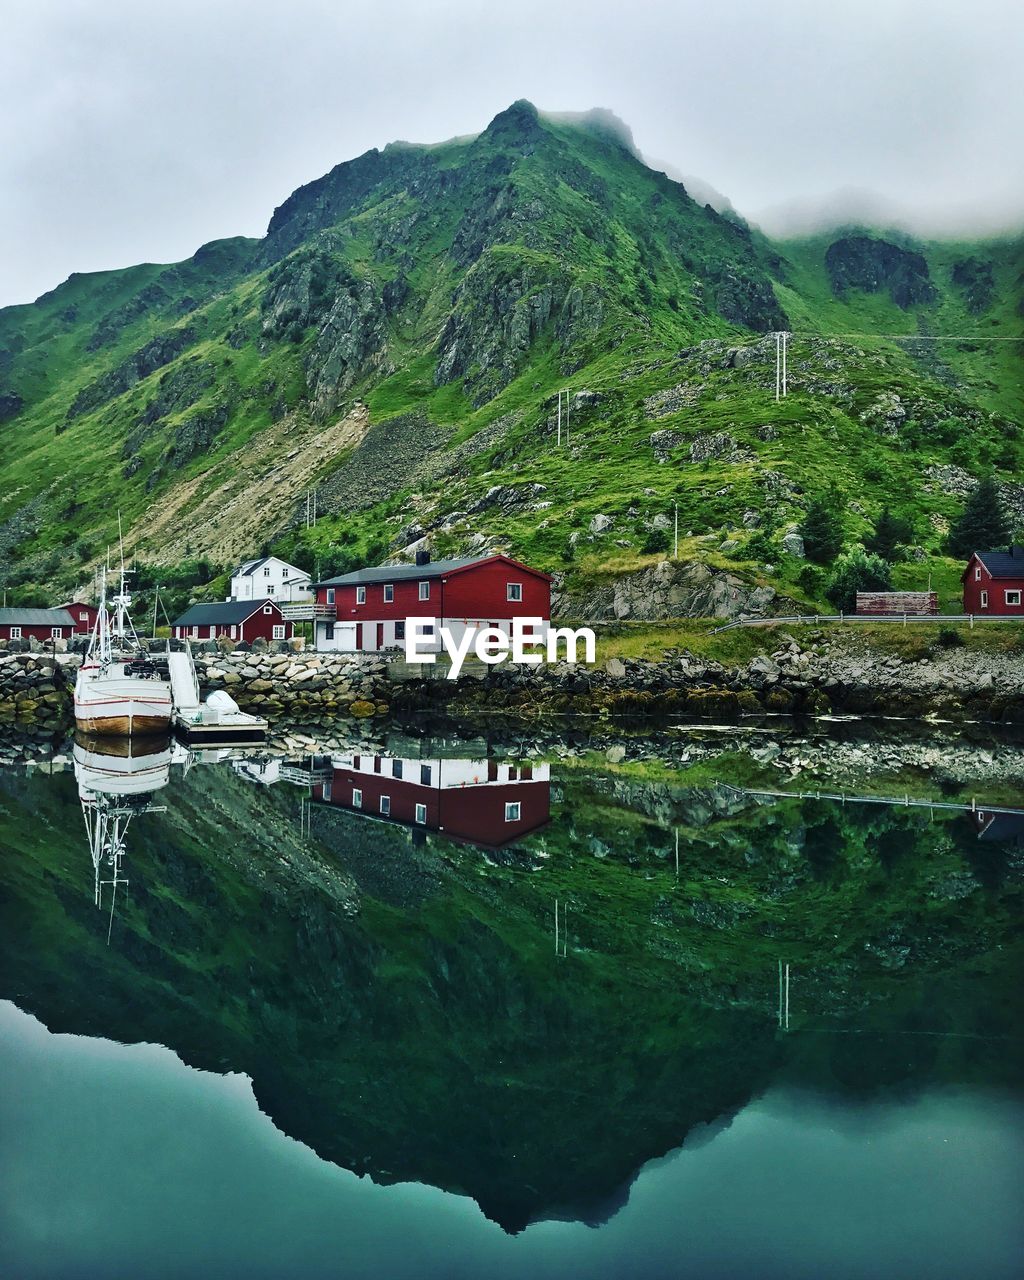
(116, 705)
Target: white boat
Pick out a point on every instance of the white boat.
(118, 691)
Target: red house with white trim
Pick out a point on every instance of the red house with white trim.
(83, 615)
(240, 620)
(994, 583)
(36, 624)
(487, 802)
(368, 610)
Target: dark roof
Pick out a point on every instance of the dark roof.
(1003, 564)
(36, 618)
(203, 615)
(417, 572)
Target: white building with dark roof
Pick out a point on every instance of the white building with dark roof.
(270, 577)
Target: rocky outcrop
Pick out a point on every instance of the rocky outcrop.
(160, 351)
(297, 685)
(877, 266)
(669, 590)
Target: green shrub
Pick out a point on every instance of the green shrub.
(857, 570)
(656, 540)
(949, 638)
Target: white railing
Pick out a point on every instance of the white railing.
(308, 611)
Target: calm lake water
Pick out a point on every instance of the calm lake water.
(435, 1010)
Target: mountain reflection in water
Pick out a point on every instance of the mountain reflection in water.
(370, 936)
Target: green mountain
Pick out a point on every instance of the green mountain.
(397, 341)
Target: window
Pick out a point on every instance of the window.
(421, 813)
(389, 592)
(213, 632)
(270, 591)
(234, 632)
(266, 571)
(513, 591)
(357, 798)
(424, 590)
(268, 608)
(512, 811)
(278, 631)
(360, 595)
(15, 633)
(330, 595)
(195, 633)
(425, 774)
(977, 575)
(399, 630)
(385, 805)
(396, 768)
(984, 599)
(1013, 597)
(329, 631)
(56, 632)
(83, 617)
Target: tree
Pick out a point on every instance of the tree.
(656, 540)
(983, 526)
(822, 529)
(858, 570)
(890, 532)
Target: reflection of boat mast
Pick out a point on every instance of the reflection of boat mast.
(106, 823)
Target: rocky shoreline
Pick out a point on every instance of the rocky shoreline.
(816, 678)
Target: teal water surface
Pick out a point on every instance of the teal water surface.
(316, 1040)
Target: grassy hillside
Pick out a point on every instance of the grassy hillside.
(397, 342)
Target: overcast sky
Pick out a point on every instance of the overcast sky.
(134, 131)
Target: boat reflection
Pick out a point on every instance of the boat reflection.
(117, 779)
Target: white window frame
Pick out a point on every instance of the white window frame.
(268, 608)
(357, 798)
(389, 592)
(513, 810)
(984, 599)
(977, 574)
(83, 617)
(1015, 593)
(514, 592)
(385, 806)
(266, 571)
(15, 633)
(57, 633)
(330, 595)
(270, 589)
(360, 595)
(424, 591)
(421, 813)
(195, 633)
(278, 633)
(234, 631)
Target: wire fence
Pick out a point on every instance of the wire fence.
(900, 619)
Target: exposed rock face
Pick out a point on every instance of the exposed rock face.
(976, 282)
(886, 415)
(793, 545)
(670, 590)
(351, 341)
(720, 446)
(876, 266)
(663, 442)
(140, 364)
(954, 480)
(672, 400)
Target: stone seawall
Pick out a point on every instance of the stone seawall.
(36, 689)
(298, 684)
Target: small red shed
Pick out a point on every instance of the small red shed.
(994, 583)
(83, 615)
(36, 624)
(246, 620)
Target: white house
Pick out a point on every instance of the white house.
(270, 577)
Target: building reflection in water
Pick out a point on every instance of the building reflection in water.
(485, 802)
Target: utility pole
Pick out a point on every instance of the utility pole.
(675, 548)
(785, 344)
(778, 367)
(559, 436)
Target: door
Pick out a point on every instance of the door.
(380, 636)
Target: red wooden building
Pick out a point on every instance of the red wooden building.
(369, 609)
(994, 583)
(239, 620)
(36, 624)
(482, 802)
(83, 615)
